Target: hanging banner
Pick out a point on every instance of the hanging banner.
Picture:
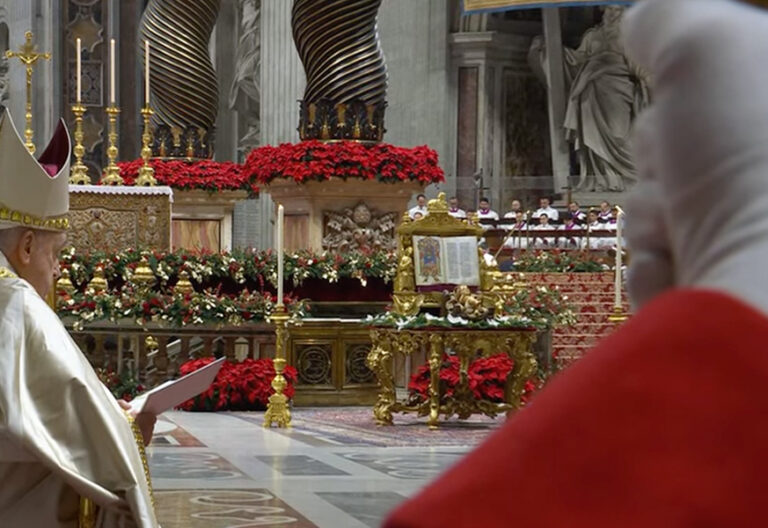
(484, 6)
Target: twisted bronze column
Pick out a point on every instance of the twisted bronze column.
(183, 87)
(338, 43)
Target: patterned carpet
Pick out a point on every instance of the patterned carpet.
(354, 426)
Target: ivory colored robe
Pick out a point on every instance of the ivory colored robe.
(663, 424)
(62, 434)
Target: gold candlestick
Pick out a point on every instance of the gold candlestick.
(79, 173)
(277, 408)
(618, 316)
(28, 55)
(111, 174)
(146, 172)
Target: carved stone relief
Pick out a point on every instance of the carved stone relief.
(359, 228)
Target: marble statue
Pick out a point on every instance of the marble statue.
(605, 94)
(245, 94)
(4, 81)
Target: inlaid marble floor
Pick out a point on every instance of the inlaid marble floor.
(226, 471)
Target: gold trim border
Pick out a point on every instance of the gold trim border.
(56, 223)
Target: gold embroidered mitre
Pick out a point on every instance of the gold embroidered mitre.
(33, 192)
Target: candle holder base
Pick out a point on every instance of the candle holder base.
(112, 176)
(618, 316)
(79, 175)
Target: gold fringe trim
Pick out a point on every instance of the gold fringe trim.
(143, 452)
(5, 273)
(58, 223)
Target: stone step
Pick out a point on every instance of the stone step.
(590, 317)
(570, 278)
(591, 297)
(595, 307)
(582, 340)
(594, 328)
(569, 352)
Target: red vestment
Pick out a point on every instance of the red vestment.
(664, 423)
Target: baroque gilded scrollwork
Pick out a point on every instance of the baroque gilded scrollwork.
(467, 345)
(359, 228)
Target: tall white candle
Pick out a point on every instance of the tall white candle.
(280, 251)
(112, 71)
(146, 72)
(619, 244)
(78, 71)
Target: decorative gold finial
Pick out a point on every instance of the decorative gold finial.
(144, 277)
(438, 205)
(146, 172)
(183, 285)
(98, 282)
(65, 283)
(277, 408)
(151, 344)
(28, 55)
(111, 174)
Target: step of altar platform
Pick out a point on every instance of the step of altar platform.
(601, 326)
(591, 297)
(594, 307)
(582, 340)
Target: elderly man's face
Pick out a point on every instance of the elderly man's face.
(35, 257)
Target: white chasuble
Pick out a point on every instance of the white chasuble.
(62, 434)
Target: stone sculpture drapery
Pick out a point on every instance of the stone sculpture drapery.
(605, 94)
(245, 93)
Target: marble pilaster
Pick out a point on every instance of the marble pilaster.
(414, 37)
(483, 59)
(40, 17)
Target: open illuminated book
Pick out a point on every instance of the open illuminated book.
(446, 260)
(175, 392)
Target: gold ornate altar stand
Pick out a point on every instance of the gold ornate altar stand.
(467, 344)
(104, 217)
(437, 254)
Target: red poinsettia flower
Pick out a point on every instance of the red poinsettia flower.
(315, 160)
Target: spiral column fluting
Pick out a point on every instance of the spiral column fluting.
(338, 44)
(184, 91)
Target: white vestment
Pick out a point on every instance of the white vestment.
(62, 434)
(551, 213)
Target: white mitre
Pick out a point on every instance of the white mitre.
(33, 192)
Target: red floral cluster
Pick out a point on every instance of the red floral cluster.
(239, 386)
(319, 161)
(487, 378)
(181, 174)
